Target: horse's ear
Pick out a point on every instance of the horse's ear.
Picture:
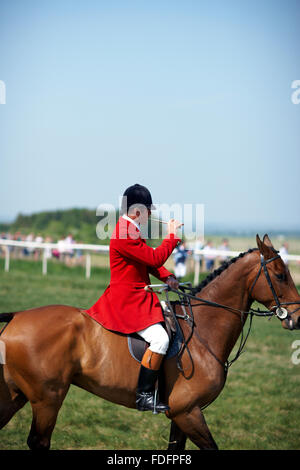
(264, 248)
(258, 242)
(267, 241)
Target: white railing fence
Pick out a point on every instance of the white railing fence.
(67, 247)
(45, 247)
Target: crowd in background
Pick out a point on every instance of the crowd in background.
(208, 261)
(63, 251)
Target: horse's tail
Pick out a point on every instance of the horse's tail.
(6, 317)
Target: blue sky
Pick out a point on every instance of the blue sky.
(190, 98)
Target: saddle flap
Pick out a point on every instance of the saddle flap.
(137, 345)
(169, 319)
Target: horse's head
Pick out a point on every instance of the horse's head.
(274, 287)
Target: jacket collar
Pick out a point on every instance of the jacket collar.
(124, 216)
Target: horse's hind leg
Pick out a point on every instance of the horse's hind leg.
(194, 426)
(11, 398)
(177, 438)
(44, 415)
(9, 408)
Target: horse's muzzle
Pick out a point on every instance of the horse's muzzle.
(290, 324)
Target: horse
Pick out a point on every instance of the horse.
(51, 347)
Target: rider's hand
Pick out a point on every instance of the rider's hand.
(173, 225)
(172, 282)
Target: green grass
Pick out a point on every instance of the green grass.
(258, 408)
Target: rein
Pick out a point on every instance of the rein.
(185, 301)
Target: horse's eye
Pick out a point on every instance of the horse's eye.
(281, 276)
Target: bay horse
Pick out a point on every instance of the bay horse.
(51, 347)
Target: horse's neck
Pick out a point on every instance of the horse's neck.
(222, 327)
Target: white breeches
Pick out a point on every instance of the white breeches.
(157, 336)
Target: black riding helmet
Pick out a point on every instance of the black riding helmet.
(136, 194)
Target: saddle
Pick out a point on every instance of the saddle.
(137, 345)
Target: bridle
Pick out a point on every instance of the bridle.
(281, 312)
(277, 310)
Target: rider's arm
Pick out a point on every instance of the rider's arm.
(139, 251)
(160, 273)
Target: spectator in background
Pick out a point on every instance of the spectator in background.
(61, 248)
(283, 252)
(69, 253)
(224, 247)
(39, 238)
(4, 237)
(37, 251)
(9, 237)
(198, 259)
(17, 250)
(69, 241)
(29, 250)
(180, 255)
(79, 254)
(48, 251)
(199, 244)
(209, 256)
(55, 253)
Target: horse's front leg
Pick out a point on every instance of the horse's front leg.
(177, 438)
(193, 426)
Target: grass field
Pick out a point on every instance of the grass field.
(258, 409)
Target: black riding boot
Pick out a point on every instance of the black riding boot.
(145, 400)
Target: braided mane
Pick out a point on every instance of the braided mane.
(219, 270)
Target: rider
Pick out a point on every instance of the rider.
(125, 306)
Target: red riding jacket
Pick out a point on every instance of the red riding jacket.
(125, 306)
